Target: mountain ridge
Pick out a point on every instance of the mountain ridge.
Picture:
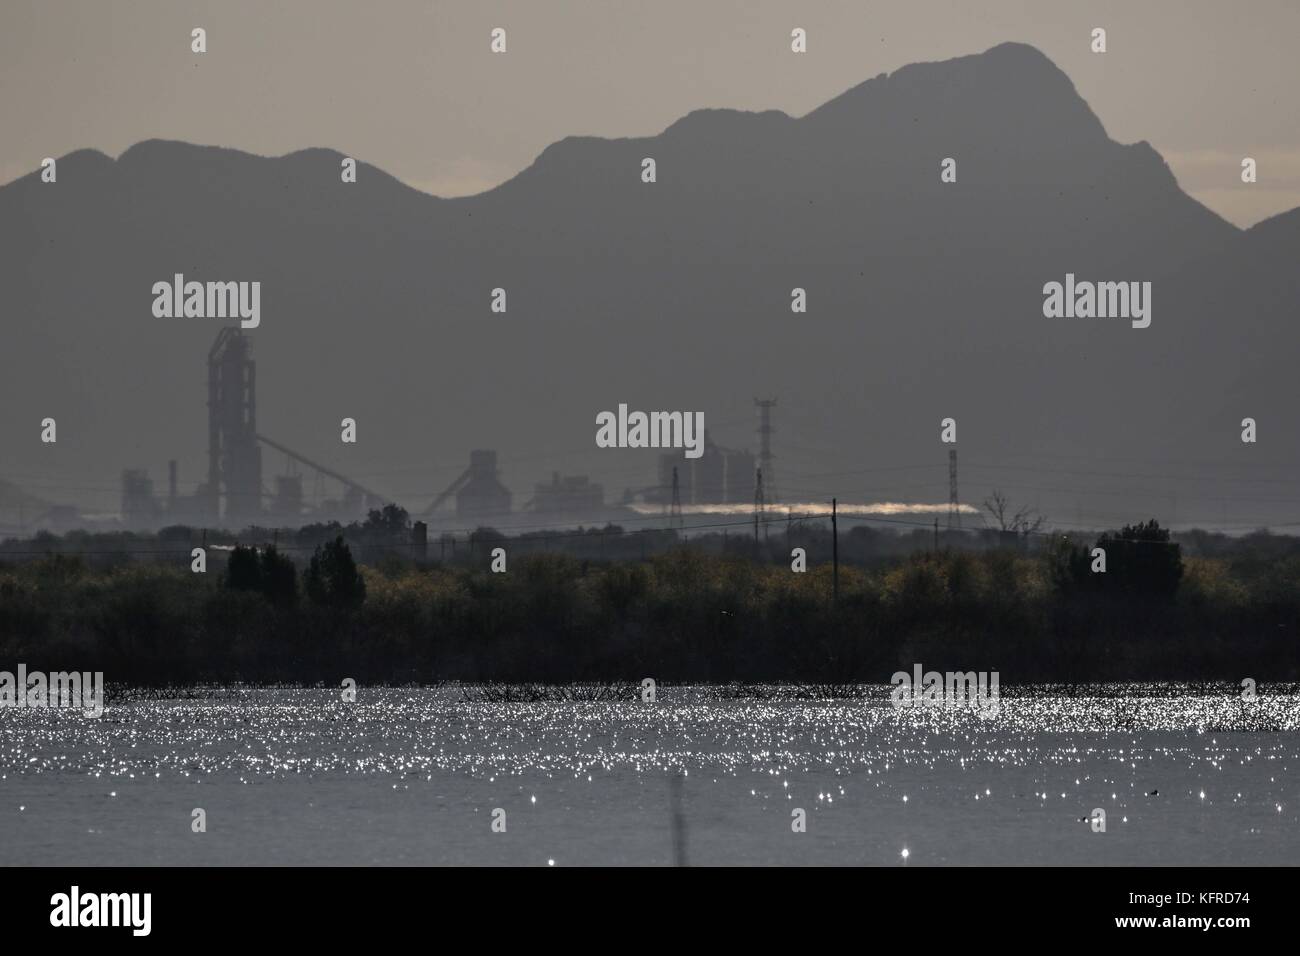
(924, 296)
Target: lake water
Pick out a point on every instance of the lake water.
(412, 776)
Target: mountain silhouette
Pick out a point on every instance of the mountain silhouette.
(924, 301)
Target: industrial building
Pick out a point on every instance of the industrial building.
(140, 509)
(719, 476)
(235, 493)
(567, 496)
(479, 494)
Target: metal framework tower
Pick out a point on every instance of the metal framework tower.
(234, 455)
(765, 429)
(954, 511)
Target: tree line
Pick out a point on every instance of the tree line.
(1229, 609)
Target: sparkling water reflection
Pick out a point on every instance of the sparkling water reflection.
(412, 776)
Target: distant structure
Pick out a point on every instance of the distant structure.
(954, 509)
(480, 496)
(483, 496)
(288, 495)
(286, 506)
(233, 494)
(235, 449)
(765, 456)
(139, 506)
(234, 455)
(143, 509)
(719, 476)
(567, 495)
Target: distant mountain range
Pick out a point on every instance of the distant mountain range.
(924, 301)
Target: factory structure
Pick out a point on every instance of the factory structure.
(720, 476)
(236, 492)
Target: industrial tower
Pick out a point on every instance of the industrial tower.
(234, 456)
(235, 448)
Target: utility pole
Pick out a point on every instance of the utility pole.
(835, 553)
(758, 501)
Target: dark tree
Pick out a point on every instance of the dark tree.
(279, 577)
(1025, 521)
(1141, 562)
(332, 578)
(244, 570)
(391, 524)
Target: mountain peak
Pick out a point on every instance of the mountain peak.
(1024, 53)
(153, 150)
(1013, 84)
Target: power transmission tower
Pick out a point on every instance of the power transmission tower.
(954, 507)
(765, 429)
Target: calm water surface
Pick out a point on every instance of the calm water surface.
(412, 776)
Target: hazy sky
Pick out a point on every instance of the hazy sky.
(413, 88)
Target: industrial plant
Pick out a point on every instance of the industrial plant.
(237, 492)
